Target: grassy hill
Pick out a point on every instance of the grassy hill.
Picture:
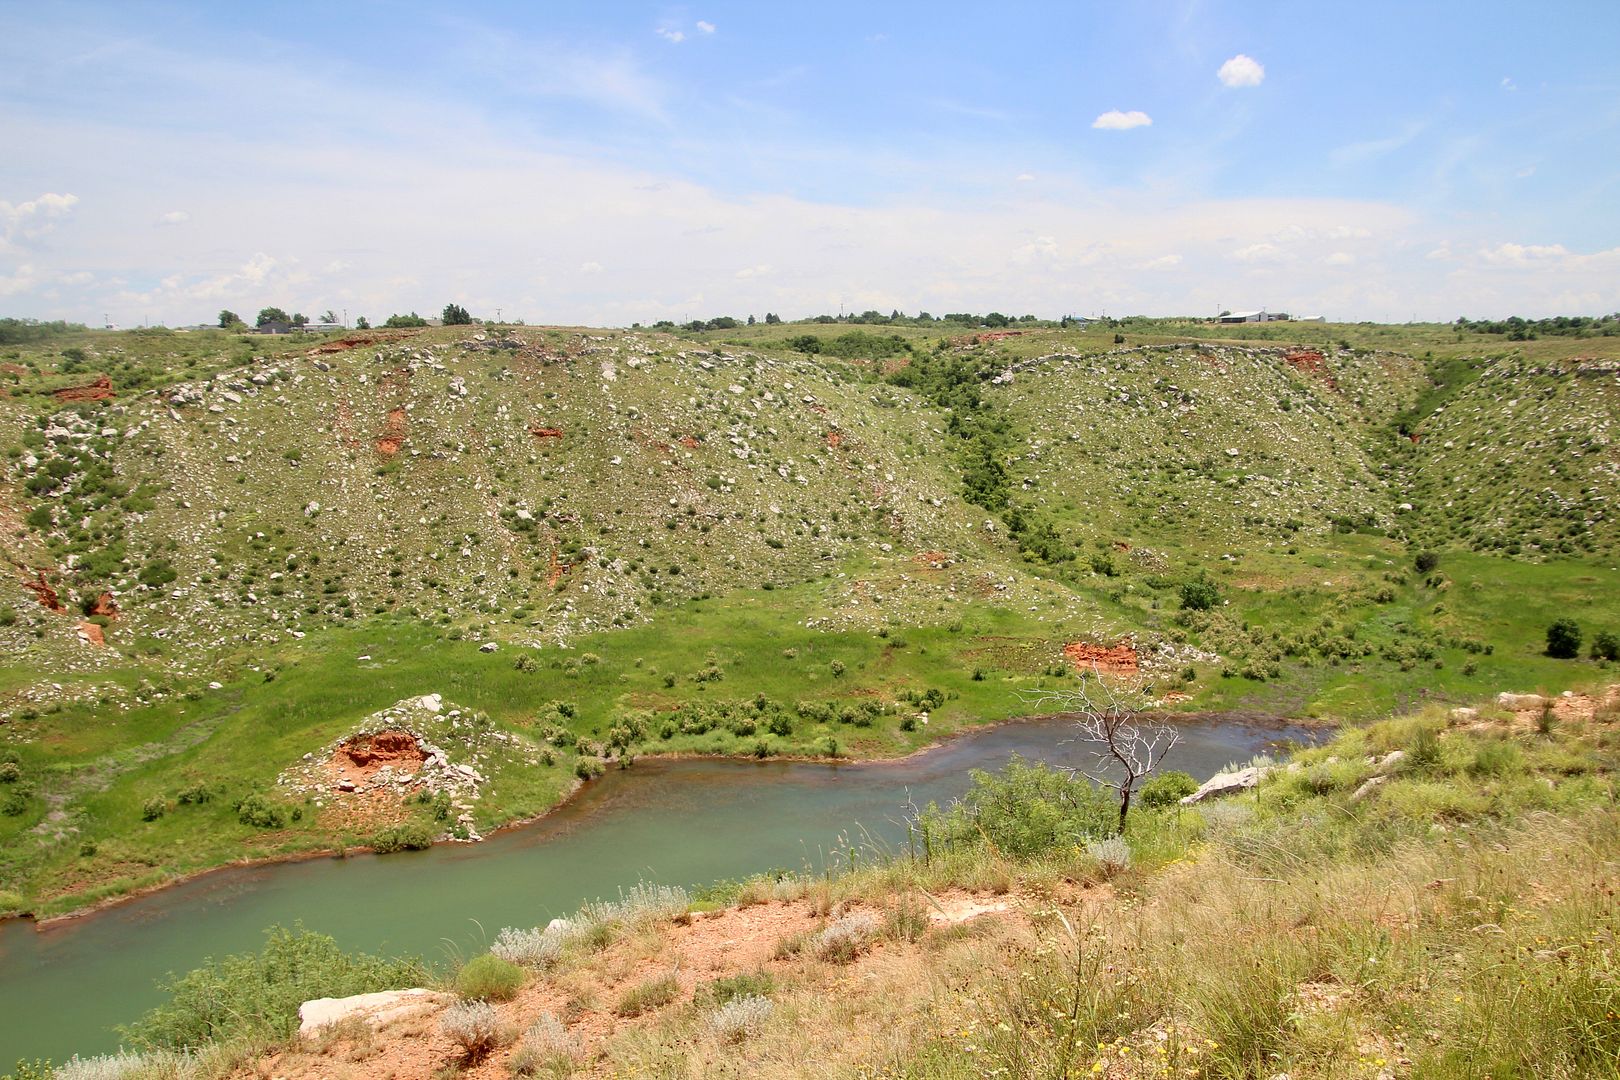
(230, 551)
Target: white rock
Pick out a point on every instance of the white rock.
(488, 646)
(376, 1009)
(1227, 784)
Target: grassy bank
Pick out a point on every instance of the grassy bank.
(1455, 918)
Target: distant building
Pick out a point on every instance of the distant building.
(1310, 318)
(275, 328)
(1254, 316)
(323, 327)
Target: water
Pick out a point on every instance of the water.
(675, 822)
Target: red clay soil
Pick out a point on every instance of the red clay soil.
(546, 432)
(99, 390)
(931, 560)
(688, 442)
(555, 570)
(372, 752)
(835, 439)
(91, 634)
(43, 591)
(1311, 362)
(104, 605)
(1104, 660)
(393, 433)
(344, 344)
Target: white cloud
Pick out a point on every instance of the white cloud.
(1339, 258)
(705, 27)
(674, 37)
(1163, 262)
(1523, 254)
(1242, 70)
(173, 217)
(1024, 177)
(1509, 84)
(1256, 253)
(1114, 120)
(753, 271)
(34, 218)
(590, 267)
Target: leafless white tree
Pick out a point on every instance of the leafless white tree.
(1129, 747)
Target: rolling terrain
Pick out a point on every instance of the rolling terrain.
(229, 552)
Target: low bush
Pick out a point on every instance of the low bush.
(406, 836)
(740, 1018)
(644, 997)
(256, 995)
(1167, 788)
(546, 1045)
(487, 977)
(1024, 810)
(731, 987)
(473, 1026)
(843, 939)
(260, 812)
(534, 948)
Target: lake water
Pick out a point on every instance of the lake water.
(675, 822)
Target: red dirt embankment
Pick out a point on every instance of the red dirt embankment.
(44, 593)
(100, 390)
(1118, 659)
(1310, 362)
(393, 433)
(546, 432)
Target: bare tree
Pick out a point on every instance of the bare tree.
(1129, 747)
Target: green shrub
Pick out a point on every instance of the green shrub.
(487, 977)
(1496, 757)
(1564, 639)
(1605, 646)
(732, 987)
(1199, 594)
(260, 812)
(1023, 810)
(154, 808)
(256, 995)
(10, 772)
(644, 997)
(406, 836)
(1167, 788)
(1426, 561)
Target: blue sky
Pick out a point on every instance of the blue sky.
(608, 163)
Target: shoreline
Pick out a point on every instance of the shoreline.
(578, 788)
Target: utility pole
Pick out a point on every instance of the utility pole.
(497, 316)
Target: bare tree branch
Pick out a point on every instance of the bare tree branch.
(1130, 748)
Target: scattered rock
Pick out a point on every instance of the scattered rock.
(376, 1009)
(1228, 783)
(1521, 702)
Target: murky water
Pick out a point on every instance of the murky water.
(674, 822)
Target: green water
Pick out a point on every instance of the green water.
(675, 822)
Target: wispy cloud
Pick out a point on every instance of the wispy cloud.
(1114, 120)
(705, 27)
(173, 217)
(1358, 153)
(671, 35)
(1242, 70)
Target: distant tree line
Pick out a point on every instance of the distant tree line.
(1518, 329)
(23, 331)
